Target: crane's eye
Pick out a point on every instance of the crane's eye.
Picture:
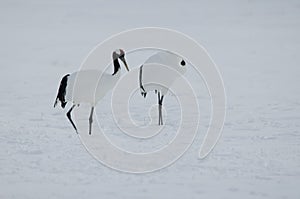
(182, 63)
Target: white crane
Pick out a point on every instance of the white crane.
(153, 75)
(92, 86)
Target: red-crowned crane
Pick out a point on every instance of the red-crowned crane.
(93, 86)
(153, 76)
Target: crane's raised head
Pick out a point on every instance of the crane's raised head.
(120, 54)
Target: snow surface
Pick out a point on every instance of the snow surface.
(255, 45)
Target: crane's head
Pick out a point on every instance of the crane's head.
(182, 63)
(120, 54)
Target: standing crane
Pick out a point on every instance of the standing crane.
(153, 76)
(94, 84)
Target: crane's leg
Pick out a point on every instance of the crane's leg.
(160, 108)
(158, 96)
(160, 100)
(70, 118)
(91, 120)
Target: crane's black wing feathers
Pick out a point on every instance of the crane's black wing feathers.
(62, 91)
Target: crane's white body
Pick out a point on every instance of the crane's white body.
(160, 71)
(89, 86)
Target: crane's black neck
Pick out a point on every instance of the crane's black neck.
(116, 66)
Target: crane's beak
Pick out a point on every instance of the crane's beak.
(124, 61)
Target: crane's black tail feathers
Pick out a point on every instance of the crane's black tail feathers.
(62, 92)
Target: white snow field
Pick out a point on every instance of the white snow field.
(256, 46)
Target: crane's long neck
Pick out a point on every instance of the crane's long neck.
(116, 66)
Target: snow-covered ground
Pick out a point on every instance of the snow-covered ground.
(255, 45)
